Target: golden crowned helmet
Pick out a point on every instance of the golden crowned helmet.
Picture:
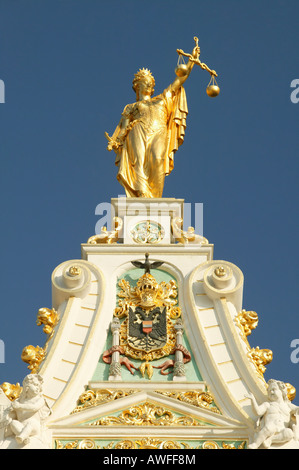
(148, 283)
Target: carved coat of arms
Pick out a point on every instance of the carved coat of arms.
(149, 310)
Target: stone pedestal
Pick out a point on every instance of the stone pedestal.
(147, 221)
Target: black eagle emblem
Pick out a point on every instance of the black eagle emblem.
(147, 265)
(147, 330)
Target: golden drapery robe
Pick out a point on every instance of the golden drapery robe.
(156, 129)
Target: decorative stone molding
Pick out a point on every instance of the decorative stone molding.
(223, 279)
(70, 279)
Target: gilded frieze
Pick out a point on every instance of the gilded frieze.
(149, 443)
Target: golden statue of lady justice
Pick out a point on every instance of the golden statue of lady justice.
(151, 130)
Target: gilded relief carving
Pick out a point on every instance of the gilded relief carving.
(150, 443)
(248, 321)
(92, 398)
(35, 355)
(195, 398)
(147, 414)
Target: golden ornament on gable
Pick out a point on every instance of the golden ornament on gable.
(35, 355)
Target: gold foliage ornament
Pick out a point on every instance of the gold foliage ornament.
(35, 355)
(200, 399)
(11, 391)
(247, 321)
(91, 398)
(291, 391)
(260, 357)
(148, 443)
(49, 318)
(147, 414)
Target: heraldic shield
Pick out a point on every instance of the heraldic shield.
(147, 330)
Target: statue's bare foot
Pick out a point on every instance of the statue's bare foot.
(22, 440)
(19, 440)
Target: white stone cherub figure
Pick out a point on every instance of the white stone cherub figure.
(25, 417)
(277, 417)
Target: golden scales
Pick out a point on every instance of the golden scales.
(181, 70)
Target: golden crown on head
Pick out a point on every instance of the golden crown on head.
(143, 73)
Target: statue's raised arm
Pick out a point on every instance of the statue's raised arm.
(183, 70)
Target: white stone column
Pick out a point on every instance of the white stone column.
(115, 367)
(179, 366)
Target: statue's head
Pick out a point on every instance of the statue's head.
(277, 388)
(32, 385)
(144, 78)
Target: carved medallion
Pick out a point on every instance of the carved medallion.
(147, 232)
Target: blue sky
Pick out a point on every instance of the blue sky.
(68, 66)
